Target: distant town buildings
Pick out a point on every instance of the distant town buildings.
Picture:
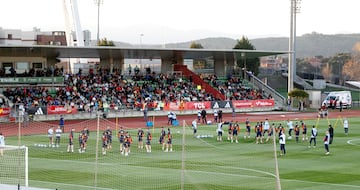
(37, 37)
(274, 63)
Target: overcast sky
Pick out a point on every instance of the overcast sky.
(169, 21)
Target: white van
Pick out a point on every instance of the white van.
(334, 98)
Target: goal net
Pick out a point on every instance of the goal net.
(14, 165)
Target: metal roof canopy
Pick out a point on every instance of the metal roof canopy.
(107, 52)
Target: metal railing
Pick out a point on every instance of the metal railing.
(256, 82)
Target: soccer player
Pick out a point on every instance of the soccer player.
(58, 132)
(220, 115)
(83, 140)
(62, 123)
(266, 129)
(282, 139)
(247, 124)
(271, 132)
(236, 131)
(162, 138)
(70, 147)
(230, 131)
(2, 144)
(219, 131)
(290, 127)
(169, 141)
(80, 142)
(145, 110)
(313, 136)
(108, 133)
(105, 141)
(304, 131)
(258, 131)
(297, 132)
(279, 128)
(121, 136)
(148, 141)
(346, 126)
(327, 142)
(203, 116)
(127, 143)
(50, 134)
(140, 135)
(170, 117)
(331, 133)
(216, 115)
(194, 126)
(198, 116)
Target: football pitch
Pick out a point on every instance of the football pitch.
(200, 162)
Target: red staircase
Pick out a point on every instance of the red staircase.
(197, 80)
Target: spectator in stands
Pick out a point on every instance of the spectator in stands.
(129, 69)
(93, 92)
(12, 72)
(136, 70)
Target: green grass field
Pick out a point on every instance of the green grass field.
(205, 163)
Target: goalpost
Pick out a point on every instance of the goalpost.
(14, 165)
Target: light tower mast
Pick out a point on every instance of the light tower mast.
(74, 33)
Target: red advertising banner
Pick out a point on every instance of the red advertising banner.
(253, 103)
(60, 110)
(197, 105)
(4, 112)
(188, 106)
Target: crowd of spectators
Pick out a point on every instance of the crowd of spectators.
(112, 90)
(235, 89)
(47, 72)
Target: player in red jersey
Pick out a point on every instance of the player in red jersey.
(70, 147)
(148, 141)
(169, 141)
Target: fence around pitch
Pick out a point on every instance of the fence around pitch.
(195, 162)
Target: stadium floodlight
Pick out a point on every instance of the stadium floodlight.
(294, 9)
(98, 3)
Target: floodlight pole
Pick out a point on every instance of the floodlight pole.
(98, 3)
(141, 66)
(294, 9)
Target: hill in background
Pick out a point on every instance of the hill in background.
(308, 45)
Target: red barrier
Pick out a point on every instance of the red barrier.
(60, 110)
(253, 103)
(197, 105)
(5, 112)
